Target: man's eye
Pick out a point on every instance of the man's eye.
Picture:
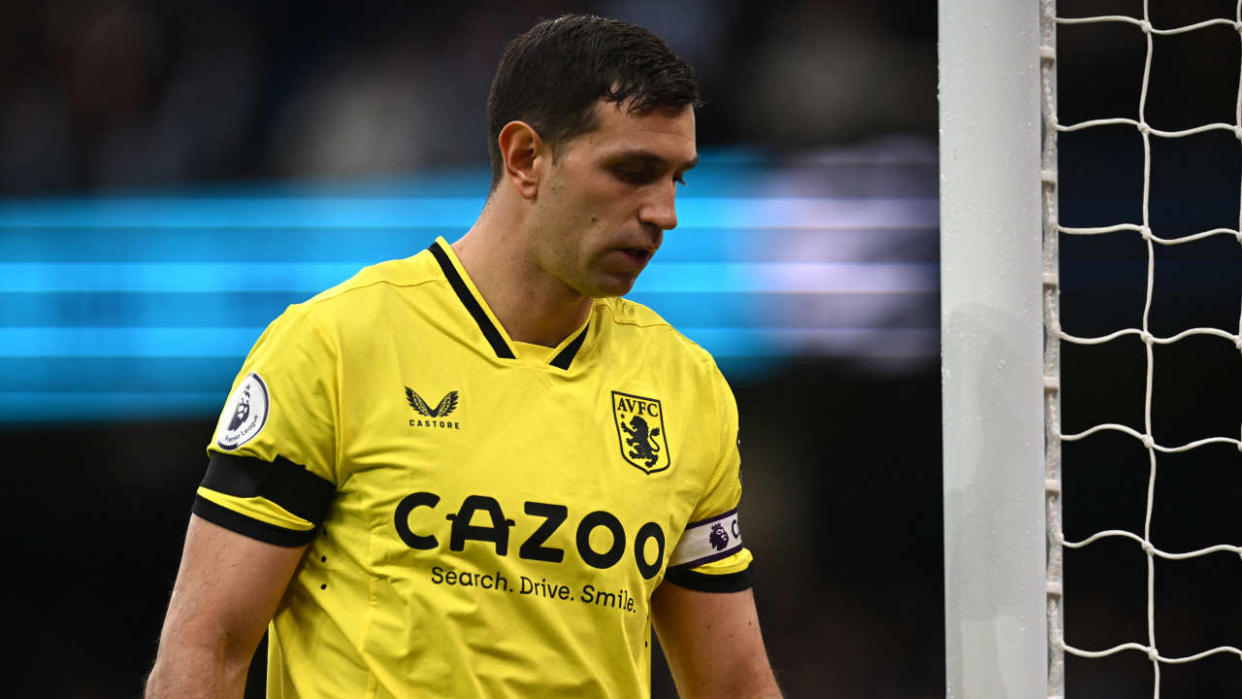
(633, 175)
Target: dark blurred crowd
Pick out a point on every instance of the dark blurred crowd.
(131, 94)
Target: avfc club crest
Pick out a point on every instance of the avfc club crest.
(640, 431)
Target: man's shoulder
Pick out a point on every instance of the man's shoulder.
(383, 277)
(635, 323)
(359, 303)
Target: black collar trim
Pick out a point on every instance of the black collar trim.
(565, 356)
(490, 331)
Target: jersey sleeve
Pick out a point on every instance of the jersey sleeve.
(271, 473)
(710, 555)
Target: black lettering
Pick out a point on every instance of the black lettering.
(402, 520)
(736, 535)
(606, 599)
(650, 530)
(543, 588)
(463, 530)
(502, 583)
(609, 558)
(588, 592)
(451, 577)
(437, 574)
(553, 516)
(654, 409)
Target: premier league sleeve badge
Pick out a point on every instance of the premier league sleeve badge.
(244, 415)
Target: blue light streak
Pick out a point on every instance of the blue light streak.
(144, 306)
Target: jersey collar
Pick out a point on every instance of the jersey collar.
(476, 306)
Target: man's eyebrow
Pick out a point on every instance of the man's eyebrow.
(647, 157)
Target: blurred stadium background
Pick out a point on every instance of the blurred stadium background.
(173, 174)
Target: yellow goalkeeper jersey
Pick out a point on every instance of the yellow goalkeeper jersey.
(485, 518)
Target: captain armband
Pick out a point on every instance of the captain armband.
(705, 542)
(278, 502)
(708, 540)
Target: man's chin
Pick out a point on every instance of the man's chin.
(611, 287)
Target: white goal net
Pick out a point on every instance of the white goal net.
(1155, 237)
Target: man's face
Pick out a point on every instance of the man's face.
(609, 196)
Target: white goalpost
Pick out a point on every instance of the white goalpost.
(1001, 341)
(991, 328)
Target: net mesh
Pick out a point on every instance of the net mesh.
(1054, 336)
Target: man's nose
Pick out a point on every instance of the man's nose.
(660, 208)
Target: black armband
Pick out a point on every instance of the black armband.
(702, 582)
(289, 485)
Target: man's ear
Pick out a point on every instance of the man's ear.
(525, 156)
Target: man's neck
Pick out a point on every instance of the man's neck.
(533, 307)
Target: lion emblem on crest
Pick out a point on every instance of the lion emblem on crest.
(718, 537)
(641, 441)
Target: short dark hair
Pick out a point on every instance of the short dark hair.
(552, 76)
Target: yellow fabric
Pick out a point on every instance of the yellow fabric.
(451, 561)
(258, 508)
(733, 564)
(536, 353)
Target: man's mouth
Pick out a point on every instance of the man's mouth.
(637, 254)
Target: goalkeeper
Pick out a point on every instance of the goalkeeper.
(478, 472)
